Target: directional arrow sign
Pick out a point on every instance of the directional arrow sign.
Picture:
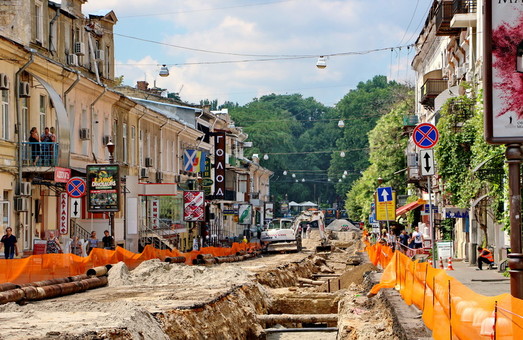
(427, 162)
(75, 208)
(385, 194)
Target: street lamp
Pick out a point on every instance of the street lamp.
(265, 157)
(322, 62)
(110, 148)
(341, 123)
(164, 71)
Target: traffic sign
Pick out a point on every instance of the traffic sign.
(386, 210)
(76, 187)
(427, 162)
(425, 135)
(75, 207)
(385, 194)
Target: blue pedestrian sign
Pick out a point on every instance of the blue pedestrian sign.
(425, 135)
(385, 194)
(76, 187)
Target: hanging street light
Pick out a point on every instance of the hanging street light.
(266, 157)
(341, 123)
(345, 173)
(285, 172)
(342, 154)
(164, 71)
(321, 63)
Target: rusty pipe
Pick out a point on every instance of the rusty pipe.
(175, 259)
(8, 286)
(99, 271)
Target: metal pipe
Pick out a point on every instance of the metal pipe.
(515, 258)
(175, 259)
(8, 286)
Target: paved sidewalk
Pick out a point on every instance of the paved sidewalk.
(485, 282)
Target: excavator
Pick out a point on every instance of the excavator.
(284, 234)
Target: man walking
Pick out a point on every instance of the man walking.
(9, 243)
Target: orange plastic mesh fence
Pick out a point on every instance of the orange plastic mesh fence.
(51, 266)
(450, 309)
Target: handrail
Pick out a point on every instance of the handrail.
(78, 230)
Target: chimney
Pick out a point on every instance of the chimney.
(142, 85)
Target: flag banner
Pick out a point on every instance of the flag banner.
(194, 160)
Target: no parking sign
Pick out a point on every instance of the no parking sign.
(425, 135)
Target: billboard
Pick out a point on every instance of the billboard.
(193, 206)
(245, 214)
(269, 211)
(503, 58)
(103, 188)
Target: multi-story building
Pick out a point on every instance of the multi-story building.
(449, 52)
(57, 71)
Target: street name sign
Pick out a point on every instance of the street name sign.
(427, 162)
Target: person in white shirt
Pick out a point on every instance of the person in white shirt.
(418, 238)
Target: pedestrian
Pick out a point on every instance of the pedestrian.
(245, 239)
(45, 138)
(9, 243)
(308, 231)
(404, 240)
(418, 238)
(108, 240)
(195, 244)
(93, 242)
(34, 141)
(52, 137)
(53, 244)
(76, 246)
(258, 232)
(485, 256)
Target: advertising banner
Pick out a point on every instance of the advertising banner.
(245, 214)
(193, 206)
(503, 62)
(103, 187)
(269, 211)
(219, 165)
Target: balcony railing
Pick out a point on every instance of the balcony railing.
(444, 15)
(431, 89)
(464, 6)
(39, 154)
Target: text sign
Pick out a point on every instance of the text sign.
(386, 210)
(425, 135)
(62, 175)
(63, 223)
(76, 187)
(75, 207)
(219, 165)
(427, 162)
(385, 194)
(503, 64)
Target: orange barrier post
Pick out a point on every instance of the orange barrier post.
(441, 263)
(449, 266)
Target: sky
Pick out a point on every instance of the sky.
(238, 50)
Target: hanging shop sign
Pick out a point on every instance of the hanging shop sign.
(193, 206)
(245, 214)
(103, 187)
(503, 67)
(219, 165)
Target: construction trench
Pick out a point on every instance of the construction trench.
(303, 295)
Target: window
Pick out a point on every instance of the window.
(43, 109)
(5, 115)
(4, 211)
(25, 118)
(133, 145)
(38, 22)
(124, 142)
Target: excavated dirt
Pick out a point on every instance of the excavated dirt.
(173, 301)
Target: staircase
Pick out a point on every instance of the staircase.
(159, 238)
(78, 230)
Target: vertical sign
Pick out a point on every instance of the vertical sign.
(63, 227)
(219, 165)
(155, 213)
(103, 187)
(503, 62)
(245, 214)
(193, 206)
(206, 175)
(269, 211)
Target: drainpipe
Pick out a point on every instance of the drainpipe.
(161, 145)
(51, 24)
(178, 146)
(92, 116)
(71, 87)
(139, 154)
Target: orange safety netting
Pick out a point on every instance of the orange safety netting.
(450, 309)
(51, 266)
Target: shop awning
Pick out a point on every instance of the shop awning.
(408, 207)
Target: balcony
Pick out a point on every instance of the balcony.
(39, 154)
(444, 15)
(430, 90)
(464, 14)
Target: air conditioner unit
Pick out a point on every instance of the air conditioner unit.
(412, 160)
(159, 177)
(144, 173)
(72, 59)
(99, 55)
(24, 89)
(79, 48)
(148, 162)
(85, 134)
(4, 81)
(21, 204)
(106, 140)
(23, 189)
